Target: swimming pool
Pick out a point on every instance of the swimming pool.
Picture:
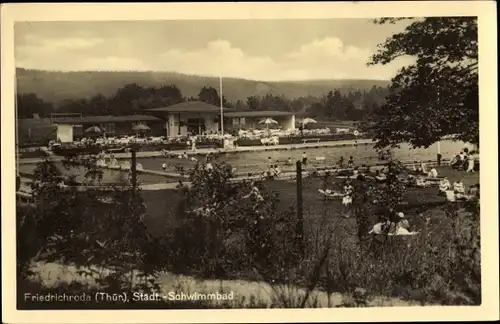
(362, 154)
(246, 162)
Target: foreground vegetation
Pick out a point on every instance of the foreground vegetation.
(250, 238)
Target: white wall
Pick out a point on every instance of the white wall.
(65, 133)
(172, 128)
(290, 123)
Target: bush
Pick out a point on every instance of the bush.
(83, 228)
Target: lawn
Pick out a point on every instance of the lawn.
(401, 263)
(161, 204)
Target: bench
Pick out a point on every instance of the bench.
(305, 140)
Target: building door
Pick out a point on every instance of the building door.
(196, 126)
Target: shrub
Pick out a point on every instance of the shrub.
(84, 228)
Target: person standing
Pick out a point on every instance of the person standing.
(304, 158)
(193, 143)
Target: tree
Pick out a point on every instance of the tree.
(334, 105)
(158, 97)
(272, 102)
(170, 95)
(123, 101)
(438, 94)
(253, 103)
(99, 105)
(74, 106)
(209, 95)
(240, 105)
(29, 104)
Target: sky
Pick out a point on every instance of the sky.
(267, 50)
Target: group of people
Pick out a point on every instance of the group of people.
(350, 162)
(393, 223)
(110, 161)
(464, 161)
(457, 192)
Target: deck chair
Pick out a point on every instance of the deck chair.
(330, 194)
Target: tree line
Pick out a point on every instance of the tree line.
(133, 99)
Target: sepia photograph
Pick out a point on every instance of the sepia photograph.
(245, 163)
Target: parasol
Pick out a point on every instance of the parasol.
(93, 130)
(306, 121)
(268, 121)
(140, 127)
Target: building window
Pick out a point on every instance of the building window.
(242, 121)
(236, 122)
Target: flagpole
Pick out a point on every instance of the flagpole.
(221, 109)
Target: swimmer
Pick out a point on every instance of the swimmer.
(350, 163)
(341, 162)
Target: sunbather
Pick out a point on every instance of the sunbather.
(458, 187)
(444, 185)
(432, 173)
(421, 183)
(379, 176)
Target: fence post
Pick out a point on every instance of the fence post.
(133, 168)
(300, 215)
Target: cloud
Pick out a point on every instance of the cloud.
(325, 58)
(216, 58)
(69, 43)
(112, 63)
(319, 59)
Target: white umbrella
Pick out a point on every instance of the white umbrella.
(93, 129)
(140, 127)
(306, 121)
(268, 121)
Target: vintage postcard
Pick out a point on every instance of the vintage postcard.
(261, 160)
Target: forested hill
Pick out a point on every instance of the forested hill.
(57, 86)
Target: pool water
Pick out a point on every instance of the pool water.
(362, 154)
(108, 177)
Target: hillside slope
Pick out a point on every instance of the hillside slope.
(57, 86)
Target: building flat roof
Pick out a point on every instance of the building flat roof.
(190, 106)
(258, 113)
(103, 119)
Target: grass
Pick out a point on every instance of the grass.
(161, 204)
(405, 270)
